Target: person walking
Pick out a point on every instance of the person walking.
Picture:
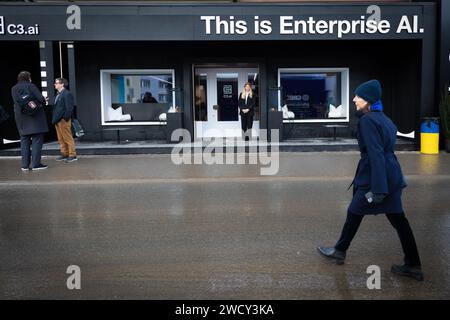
(62, 115)
(378, 182)
(32, 127)
(247, 110)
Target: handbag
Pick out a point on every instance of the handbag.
(77, 129)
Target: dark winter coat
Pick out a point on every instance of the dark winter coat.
(378, 169)
(29, 124)
(63, 106)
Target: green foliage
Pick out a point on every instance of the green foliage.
(444, 110)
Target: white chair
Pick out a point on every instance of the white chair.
(117, 115)
(286, 113)
(335, 112)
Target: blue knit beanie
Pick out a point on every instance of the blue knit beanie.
(369, 91)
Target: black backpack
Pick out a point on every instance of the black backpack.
(28, 102)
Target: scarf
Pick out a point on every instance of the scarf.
(377, 106)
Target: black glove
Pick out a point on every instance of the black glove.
(375, 198)
(378, 198)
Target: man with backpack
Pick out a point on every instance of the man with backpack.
(30, 119)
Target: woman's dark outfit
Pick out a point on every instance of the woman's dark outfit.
(246, 118)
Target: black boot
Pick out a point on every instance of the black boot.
(407, 271)
(332, 253)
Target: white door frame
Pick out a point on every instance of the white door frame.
(213, 127)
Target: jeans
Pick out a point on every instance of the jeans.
(36, 141)
(400, 224)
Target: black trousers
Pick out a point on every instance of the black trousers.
(400, 224)
(247, 124)
(35, 141)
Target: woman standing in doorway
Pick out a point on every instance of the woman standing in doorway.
(247, 110)
(378, 182)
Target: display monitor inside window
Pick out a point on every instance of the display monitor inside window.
(137, 97)
(313, 96)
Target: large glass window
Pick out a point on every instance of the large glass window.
(136, 97)
(314, 95)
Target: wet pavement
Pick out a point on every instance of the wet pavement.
(140, 227)
(162, 147)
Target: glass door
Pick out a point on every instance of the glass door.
(216, 101)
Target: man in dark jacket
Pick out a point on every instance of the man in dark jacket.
(378, 182)
(31, 127)
(62, 119)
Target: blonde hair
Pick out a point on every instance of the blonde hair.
(243, 91)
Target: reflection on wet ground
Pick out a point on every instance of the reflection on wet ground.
(140, 227)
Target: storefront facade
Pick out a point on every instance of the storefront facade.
(303, 60)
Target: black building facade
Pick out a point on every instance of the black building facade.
(303, 60)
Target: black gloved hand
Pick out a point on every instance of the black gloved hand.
(378, 198)
(374, 198)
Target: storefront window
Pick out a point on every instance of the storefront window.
(136, 97)
(314, 95)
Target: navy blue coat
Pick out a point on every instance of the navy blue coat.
(378, 169)
(63, 106)
(26, 124)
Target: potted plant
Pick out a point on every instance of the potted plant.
(444, 110)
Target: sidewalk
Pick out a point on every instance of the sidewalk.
(141, 227)
(161, 147)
